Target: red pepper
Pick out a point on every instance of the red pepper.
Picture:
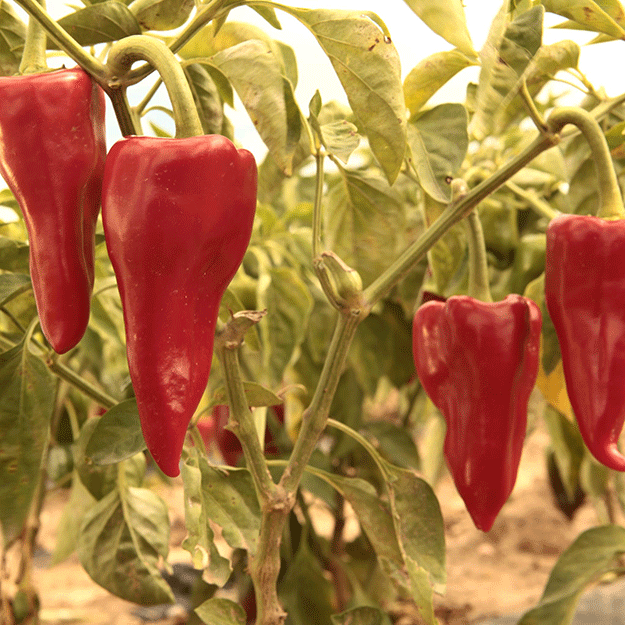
(52, 151)
(478, 362)
(178, 217)
(585, 295)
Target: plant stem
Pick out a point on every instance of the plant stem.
(479, 287)
(610, 200)
(65, 373)
(317, 211)
(315, 416)
(241, 422)
(453, 214)
(534, 113)
(540, 207)
(128, 124)
(67, 43)
(148, 97)
(207, 12)
(34, 56)
(139, 47)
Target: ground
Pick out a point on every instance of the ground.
(502, 572)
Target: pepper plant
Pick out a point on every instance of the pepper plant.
(309, 277)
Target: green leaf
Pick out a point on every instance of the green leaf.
(117, 435)
(68, 528)
(258, 77)
(269, 14)
(373, 513)
(229, 500)
(364, 219)
(507, 53)
(256, 394)
(13, 255)
(418, 523)
(593, 553)
(547, 62)
(438, 141)
(446, 19)
(12, 285)
(99, 23)
(12, 36)
(218, 611)
(362, 615)
(394, 443)
(200, 540)
(289, 303)
(367, 64)
(340, 138)
(206, 96)
(568, 448)
(162, 14)
(304, 590)
(27, 399)
(604, 17)
(98, 480)
(122, 539)
(430, 74)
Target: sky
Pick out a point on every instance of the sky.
(413, 40)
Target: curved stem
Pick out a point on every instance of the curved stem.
(34, 56)
(208, 12)
(610, 200)
(67, 43)
(139, 47)
(479, 287)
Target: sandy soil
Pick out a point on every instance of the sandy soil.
(501, 572)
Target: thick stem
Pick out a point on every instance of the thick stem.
(479, 287)
(34, 56)
(315, 416)
(139, 47)
(610, 200)
(67, 43)
(265, 563)
(453, 214)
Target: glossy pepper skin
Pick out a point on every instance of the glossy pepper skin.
(585, 296)
(178, 216)
(478, 362)
(52, 152)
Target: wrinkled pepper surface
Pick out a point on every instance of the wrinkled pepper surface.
(178, 216)
(478, 362)
(585, 295)
(52, 152)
